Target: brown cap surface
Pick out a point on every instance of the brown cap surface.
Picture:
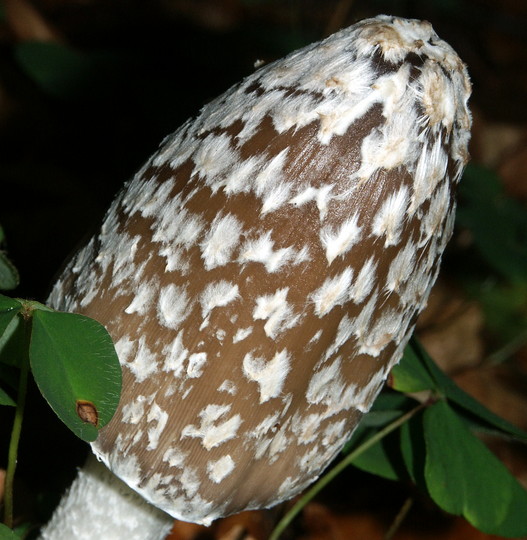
(262, 273)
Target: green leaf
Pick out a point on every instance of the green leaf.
(9, 278)
(418, 371)
(8, 311)
(7, 534)
(13, 343)
(412, 447)
(384, 457)
(24, 529)
(57, 69)
(76, 368)
(411, 374)
(465, 478)
(5, 399)
(468, 404)
(68, 73)
(379, 458)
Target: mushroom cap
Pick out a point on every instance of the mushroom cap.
(263, 271)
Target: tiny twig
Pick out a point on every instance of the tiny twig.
(328, 477)
(507, 350)
(399, 518)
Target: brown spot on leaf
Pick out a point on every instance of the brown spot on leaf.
(87, 412)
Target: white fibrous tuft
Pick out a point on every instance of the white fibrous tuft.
(338, 242)
(220, 241)
(269, 374)
(278, 313)
(263, 272)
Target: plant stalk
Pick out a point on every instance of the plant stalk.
(15, 439)
(328, 477)
(399, 518)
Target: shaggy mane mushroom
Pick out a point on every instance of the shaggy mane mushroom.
(262, 274)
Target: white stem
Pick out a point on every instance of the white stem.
(100, 506)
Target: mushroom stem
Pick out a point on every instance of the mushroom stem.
(99, 505)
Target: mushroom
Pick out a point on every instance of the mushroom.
(262, 274)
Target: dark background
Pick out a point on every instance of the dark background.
(88, 89)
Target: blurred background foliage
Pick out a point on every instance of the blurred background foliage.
(89, 88)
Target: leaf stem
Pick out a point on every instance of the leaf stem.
(14, 441)
(329, 476)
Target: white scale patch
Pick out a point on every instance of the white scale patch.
(220, 469)
(220, 335)
(242, 333)
(190, 481)
(143, 298)
(344, 332)
(213, 156)
(326, 384)
(381, 333)
(124, 348)
(439, 110)
(431, 169)
(270, 375)
(173, 305)
(262, 436)
(289, 485)
(175, 226)
(196, 363)
(315, 337)
(159, 418)
(306, 428)
(175, 457)
(133, 412)
(401, 268)
(265, 427)
(239, 179)
(144, 363)
(124, 266)
(333, 433)
(270, 186)
(279, 443)
(321, 196)
(364, 397)
(228, 386)
(340, 242)
(339, 396)
(220, 241)
(333, 292)
(388, 146)
(433, 220)
(212, 431)
(217, 294)
(261, 250)
(362, 321)
(309, 459)
(175, 355)
(389, 220)
(278, 312)
(364, 282)
(177, 230)
(337, 115)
